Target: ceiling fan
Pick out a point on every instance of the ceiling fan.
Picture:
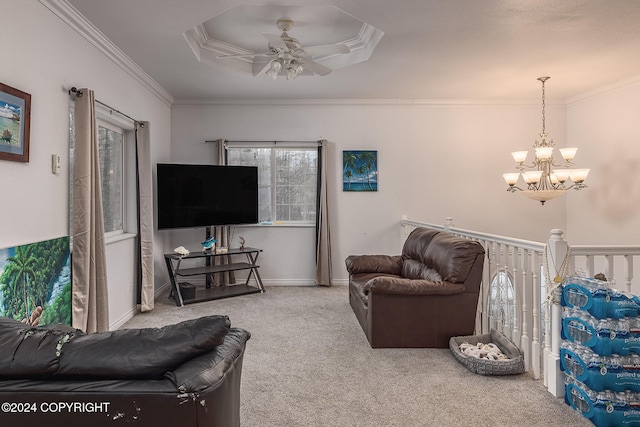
(290, 56)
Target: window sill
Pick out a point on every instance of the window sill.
(280, 225)
(119, 238)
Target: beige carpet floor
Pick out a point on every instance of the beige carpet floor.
(308, 363)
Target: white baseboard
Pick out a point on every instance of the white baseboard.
(123, 319)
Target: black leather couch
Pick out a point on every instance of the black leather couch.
(187, 374)
(422, 297)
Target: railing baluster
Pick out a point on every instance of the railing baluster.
(590, 266)
(524, 339)
(493, 271)
(515, 335)
(536, 288)
(628, 271)
(484, 291)
(498, 306)
(609, 267)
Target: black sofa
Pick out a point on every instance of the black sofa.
(187, 374)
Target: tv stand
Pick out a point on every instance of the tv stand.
(207, 292)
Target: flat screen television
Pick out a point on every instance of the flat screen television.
(191, 196)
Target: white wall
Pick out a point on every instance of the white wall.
(43, 56)
(606, 127)
(435, 160)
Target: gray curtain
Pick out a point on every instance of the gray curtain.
(144, 186)
(324, 275)
(222, 234)
(90, 305)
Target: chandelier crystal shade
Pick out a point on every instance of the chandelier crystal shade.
(545, 179)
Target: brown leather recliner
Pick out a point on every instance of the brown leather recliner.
(420, 298)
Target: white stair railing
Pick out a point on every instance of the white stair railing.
(519, 297)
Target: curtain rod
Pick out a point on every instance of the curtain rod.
(79, 93)
(314, 141)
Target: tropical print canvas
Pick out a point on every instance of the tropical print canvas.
(35, 282)
(360, 170)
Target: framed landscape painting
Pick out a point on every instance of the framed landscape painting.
(359, 170)
(35, 282)
(15, 122)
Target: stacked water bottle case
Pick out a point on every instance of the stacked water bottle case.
(600, 353)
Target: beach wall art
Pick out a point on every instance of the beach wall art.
(35, 282)
(15, 122)
(359, 170)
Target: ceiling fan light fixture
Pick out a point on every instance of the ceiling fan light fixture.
(296, 65)
(274, 68)
(291, 73)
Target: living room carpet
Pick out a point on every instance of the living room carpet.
(308, 363)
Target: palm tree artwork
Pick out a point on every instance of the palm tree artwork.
(360, 170)
(23, 263)
(35, 282)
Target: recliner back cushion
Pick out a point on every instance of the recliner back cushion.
(417, 242)
(412, 269)
(44, 352)
(141, 353)
(452, 256)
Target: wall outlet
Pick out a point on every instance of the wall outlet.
(55, 164)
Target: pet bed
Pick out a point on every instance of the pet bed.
(513, 365)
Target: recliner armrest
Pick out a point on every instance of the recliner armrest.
(210, 369)
(389, 264)
(403, 286)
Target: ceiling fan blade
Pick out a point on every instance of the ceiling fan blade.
(275, 41)
(262, 70)
(326, 49)
(315, 67)
(245, 55)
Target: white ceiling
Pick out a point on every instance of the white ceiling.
(431, 49)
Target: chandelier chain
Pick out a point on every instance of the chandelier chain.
(543, 104)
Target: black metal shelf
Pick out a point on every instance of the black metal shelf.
(219, 292)
(209, 292)
(195, 271)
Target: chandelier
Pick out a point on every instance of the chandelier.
(542, 180)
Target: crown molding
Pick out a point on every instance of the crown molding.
(182, 102)
(605, 90)
(74, 19)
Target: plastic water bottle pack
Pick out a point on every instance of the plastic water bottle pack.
(600, 373)
(603, 336)
(598, 298)
(605, 408)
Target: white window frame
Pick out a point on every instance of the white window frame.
(110, 126)
(278, 145)
(108, 119)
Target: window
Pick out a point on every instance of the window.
(113, 151)
(502, 301)
(287, 180)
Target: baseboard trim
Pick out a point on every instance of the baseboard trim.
(123, 319)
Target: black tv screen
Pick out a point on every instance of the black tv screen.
(205, 195)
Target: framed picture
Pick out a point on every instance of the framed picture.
(360, 170)
(15, 120)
